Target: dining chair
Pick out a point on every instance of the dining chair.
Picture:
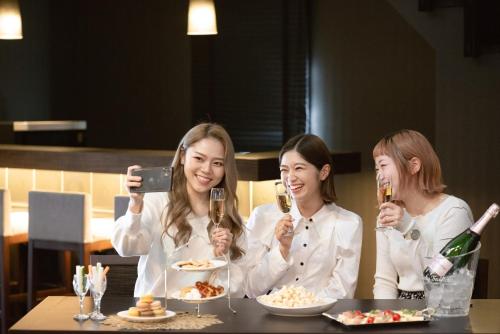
(14, 232)
(122, 273)
(63, 222)
(121, 205)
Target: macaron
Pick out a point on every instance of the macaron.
(133, 311)
(142, 305)
(155, 305)
(147, 298)
(160, 311)
(147, 313)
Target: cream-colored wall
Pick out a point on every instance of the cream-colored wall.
(102, 187)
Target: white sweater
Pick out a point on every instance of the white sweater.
(141, 234)
(405, 258)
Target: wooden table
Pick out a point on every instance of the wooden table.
(54, 315)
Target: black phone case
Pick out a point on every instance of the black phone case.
(154, 179)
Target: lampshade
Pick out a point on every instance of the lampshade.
(10, 20)
(201, 18)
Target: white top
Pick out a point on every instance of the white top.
(400, 256)
(141, 234)
(324, 256)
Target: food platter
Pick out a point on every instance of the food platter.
(177, 295)
(301, 311)
(405, 317)
(125, 316)
(213, 265)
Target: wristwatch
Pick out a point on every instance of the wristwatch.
(412, 234)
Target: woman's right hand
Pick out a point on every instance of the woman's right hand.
(283, 235)
(391, 214)
(136, 199)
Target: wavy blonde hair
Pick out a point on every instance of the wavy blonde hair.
(403, 145)
(179, 207)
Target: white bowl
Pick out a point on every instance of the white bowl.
(301, 311)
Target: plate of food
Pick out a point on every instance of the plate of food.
(295, 301)
(356, 318)
(201, 292)
(146, 310)
(125, 315)
(198, 265)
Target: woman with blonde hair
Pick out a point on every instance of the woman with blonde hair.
(157, 224)
(318, 244)
(418, 221)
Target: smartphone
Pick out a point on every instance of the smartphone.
(154, 179)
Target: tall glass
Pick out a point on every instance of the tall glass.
(384, 195)
(81, 286)
(283, 199)
(217, 198)
(97, 289)
(450, 296)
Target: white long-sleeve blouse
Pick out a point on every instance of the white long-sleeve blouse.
(324, 255)
(402, 260)
(141, 235)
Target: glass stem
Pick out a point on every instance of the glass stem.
(97, 305)
(81, 303)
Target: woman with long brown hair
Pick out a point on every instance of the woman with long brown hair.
(318, 244)
(157, 224)
(418, 220)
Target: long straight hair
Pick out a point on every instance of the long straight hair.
(314, 150)
(179, 206)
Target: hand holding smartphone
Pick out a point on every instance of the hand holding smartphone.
(154, 179)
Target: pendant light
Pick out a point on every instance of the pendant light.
(10, 20)
(201, 18)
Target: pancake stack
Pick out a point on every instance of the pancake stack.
(147, 307)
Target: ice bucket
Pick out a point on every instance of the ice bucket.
(451, 296)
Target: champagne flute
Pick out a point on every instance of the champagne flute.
(384, 195)
(81, 285)
(216, 210)
(283, 199)
(217, 198)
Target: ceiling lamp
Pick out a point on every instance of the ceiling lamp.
(201, 18)
(10, 20)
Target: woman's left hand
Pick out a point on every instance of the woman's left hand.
(221, 239)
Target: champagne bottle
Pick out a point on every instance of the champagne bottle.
(443, 264)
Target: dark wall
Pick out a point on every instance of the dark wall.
(25, 67)
(124, 67)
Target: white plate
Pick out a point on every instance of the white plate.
(125, 316)
(177, 294)
(217, 264)
(301, 311)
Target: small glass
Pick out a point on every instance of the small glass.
(81, 286)
(283, 199)
(384, 195)
(97, 289)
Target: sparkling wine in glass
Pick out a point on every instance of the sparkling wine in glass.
(384, 194)
(217, 199)
(81, 285)
(283, 199)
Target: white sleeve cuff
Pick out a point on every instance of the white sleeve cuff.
(277, 264)
(406, 223)
(133, 221)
